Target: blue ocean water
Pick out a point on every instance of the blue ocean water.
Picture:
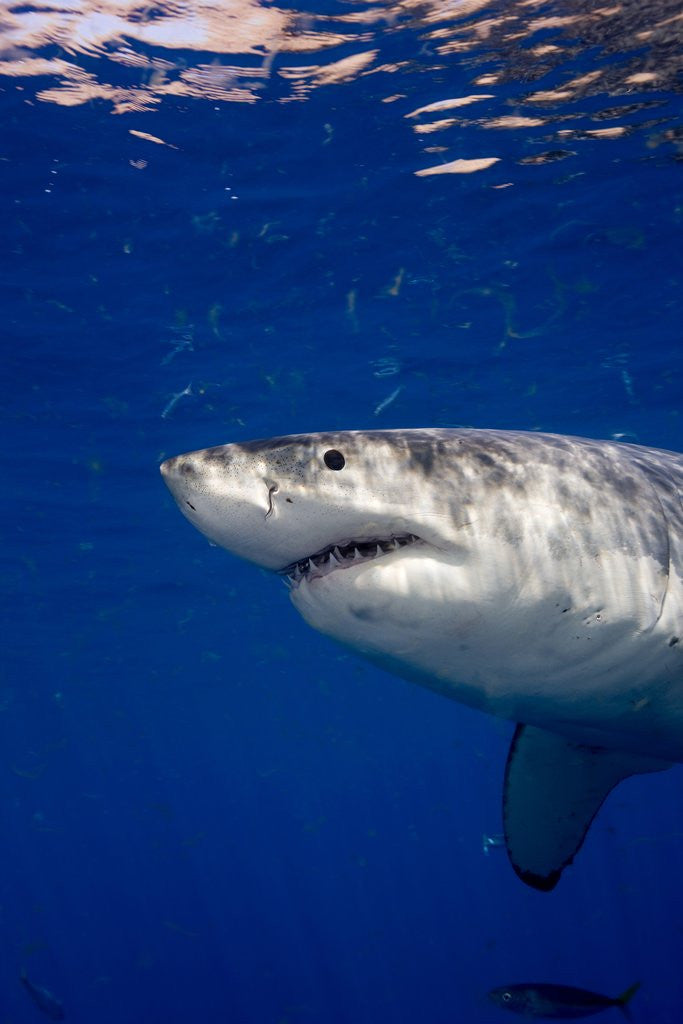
(216, 226)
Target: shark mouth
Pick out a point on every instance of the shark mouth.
(343, 556)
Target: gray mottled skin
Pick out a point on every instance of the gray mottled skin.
(546, 586)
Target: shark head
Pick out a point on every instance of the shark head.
(288, 500)
(347, 519)
(309, 505)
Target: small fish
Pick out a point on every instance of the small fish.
(43, 999)
(488, 842)
(557, 1002)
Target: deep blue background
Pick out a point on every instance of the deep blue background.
(209, 812)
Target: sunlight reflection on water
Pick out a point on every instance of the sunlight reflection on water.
(528, 66)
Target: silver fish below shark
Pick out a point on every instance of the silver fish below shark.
(558, 1002)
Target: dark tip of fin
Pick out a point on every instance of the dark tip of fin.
(544, 883)
(625, 998)
(553, 789)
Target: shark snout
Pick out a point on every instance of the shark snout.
(180, 466)
(181, 472)
(167, 467)
(233, 513)
(182, 477)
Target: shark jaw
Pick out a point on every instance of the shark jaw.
(536, 577)
(344, 555)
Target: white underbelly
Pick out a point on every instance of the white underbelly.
(589, 654)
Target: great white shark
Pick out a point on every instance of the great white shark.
(533, 576)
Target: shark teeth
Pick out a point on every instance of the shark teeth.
(341, 556)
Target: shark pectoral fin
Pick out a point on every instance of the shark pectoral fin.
(553, 790)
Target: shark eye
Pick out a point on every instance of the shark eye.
(507, 996)
(334, 459)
